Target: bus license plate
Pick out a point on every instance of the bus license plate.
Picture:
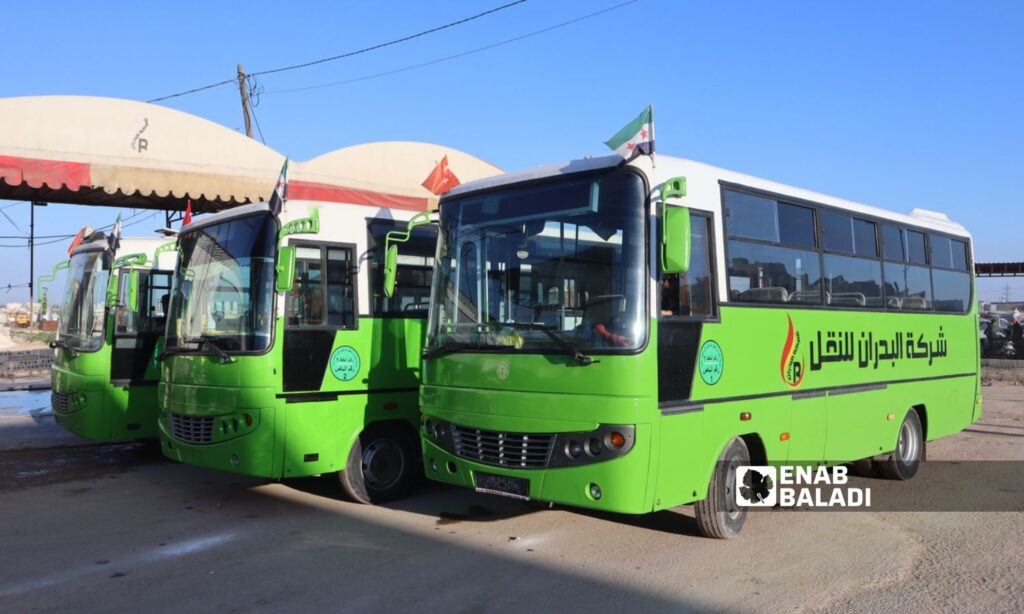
(517, 488)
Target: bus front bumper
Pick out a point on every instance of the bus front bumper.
(615, 485)
(222, 441)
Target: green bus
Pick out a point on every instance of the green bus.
(285, 359)
(621, 336)
(104, 374)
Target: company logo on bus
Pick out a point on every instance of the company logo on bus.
(792, 365)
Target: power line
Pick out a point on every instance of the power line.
(195, 90)
(347, 54)
(60, 238)
(457, 55)
(255, 90)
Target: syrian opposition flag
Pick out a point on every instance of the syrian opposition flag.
(114, 240)
(280, 195)
(188, 213)
(636, 138)
(441, 179)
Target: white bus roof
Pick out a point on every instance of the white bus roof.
(703, 187)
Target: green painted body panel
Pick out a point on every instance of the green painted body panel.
(284, 436)
(847, 405)
(110, 412)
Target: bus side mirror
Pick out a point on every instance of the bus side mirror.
(285, 268)
(675, 240)
(391, 249)
(390, 269)
(133, 290)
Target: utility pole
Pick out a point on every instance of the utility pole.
(31, 263)
(244, 91)
(1006, 293)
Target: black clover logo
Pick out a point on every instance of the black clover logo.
(756, 486)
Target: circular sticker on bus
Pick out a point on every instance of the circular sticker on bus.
(710, 362)
(345, 363)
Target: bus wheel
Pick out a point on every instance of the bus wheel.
(382, 465)
(902, 463)
(718, 515)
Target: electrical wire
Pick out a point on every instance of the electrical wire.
(455, 56)
(347, 54)
(255, 90)
(60, 238)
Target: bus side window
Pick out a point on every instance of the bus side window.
(340, 299)
(415, 271)
(157, 294)
(324, 290)
(306, 301)
(692, 293)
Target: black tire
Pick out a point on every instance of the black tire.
(903, 462)
(382, 466)
(718, 516)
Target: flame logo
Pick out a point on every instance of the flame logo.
(790, 368)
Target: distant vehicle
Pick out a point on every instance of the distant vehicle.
(21, 320)
(994, 336)
(104, 374)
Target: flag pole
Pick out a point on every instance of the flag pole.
(654, 141)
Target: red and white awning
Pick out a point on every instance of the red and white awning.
(107, 151)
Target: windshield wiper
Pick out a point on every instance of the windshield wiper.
(202, 342)
(57, 343)
(559, 340)
(211, 342)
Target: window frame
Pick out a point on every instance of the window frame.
(371, 245)
(354, 270)
(819, 248)
(716, 312)
(159, 332)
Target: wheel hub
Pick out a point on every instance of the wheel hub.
(383, 464)
(907, 445)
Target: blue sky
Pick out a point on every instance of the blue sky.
(901, 105)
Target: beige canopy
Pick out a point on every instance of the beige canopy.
(90, 150)
(107, 151)
(388, 173)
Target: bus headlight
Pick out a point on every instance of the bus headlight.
(438, 432)
(573, 449)
(606, 442)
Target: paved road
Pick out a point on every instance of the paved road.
(103, 528)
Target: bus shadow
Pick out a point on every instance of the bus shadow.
(448, 504)
(672, 522)
(452, 505)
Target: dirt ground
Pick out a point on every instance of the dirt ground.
(106, 528)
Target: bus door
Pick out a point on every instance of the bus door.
(687, 303)
(320, 318)
(138, 325)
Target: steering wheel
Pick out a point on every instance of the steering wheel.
(605, 324)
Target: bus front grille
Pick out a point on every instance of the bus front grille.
(60, 402)
(192, 429)
(522, 450)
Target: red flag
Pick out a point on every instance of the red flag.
(188, 213)
(441, 179)
(79, 238)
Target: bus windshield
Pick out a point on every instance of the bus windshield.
(224, 287)
(546, 267)
(81, 326)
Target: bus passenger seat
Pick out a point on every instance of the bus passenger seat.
(855, 299)
(774, 294)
